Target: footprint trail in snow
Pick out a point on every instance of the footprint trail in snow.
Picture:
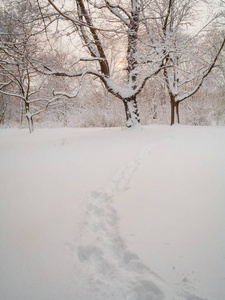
(103, 252)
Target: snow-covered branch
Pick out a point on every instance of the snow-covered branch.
(115, 10)
(45, 107)
(206, 73)
(68, 95)
(4, 84)
(51, 71)
(128, 92)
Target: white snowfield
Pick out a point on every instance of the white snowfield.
(113, 214)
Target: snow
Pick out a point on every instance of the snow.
(113, 213)
(28, 115)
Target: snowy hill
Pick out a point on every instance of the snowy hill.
(113, 214)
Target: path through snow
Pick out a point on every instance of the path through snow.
(107, 257)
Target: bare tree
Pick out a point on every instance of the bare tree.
(16, 45)
(186, 62)
(93, 23)
(24, 89)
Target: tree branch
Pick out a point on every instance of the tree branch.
(191, 93)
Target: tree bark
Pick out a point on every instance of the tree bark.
(131, 109)
(3, 109)
(132, 113)
(65, 121)
(29, 118)
(175, 114)
(21, 111)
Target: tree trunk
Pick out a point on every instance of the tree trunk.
(29, 118)
(132, 114)
(65, 113)
(21, 112)
(131, 109)
(175, 117)
(3, 105)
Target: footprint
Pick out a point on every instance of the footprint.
(146, 290)
(95, 259)
(107, 259)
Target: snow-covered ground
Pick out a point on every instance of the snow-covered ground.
(113, 214)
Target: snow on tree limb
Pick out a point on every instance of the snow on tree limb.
(115, 10)
(206, 73)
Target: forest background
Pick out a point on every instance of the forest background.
(110, 63)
